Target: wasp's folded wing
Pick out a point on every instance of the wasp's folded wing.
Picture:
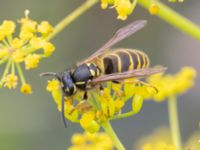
(121, 34)
(138, 73)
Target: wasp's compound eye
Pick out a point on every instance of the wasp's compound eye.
(69, 87)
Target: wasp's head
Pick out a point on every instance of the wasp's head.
(65, 78)
(68, 86)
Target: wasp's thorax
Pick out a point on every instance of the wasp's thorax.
(78, 78)
(84, 73)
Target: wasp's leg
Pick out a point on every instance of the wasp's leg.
(148, 85)
(141, 83)
(85, 95)
(101, 89)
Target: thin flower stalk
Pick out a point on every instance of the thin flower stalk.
(174, 122)
(71, 17)
(173, 18)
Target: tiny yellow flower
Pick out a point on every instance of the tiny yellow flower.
(88, 122)
(8, 27)
(26, 88)
(37, 42)
(17, 43)
(123, 8)
(48, 48)
(28, 25)
(105, 3)
(53, 85)
(10, 81)
(44, 27)
(32, 61)
(18, 56)
(24, 35)
(153, 9)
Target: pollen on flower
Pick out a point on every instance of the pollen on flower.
(32, 61)
(123, 7)
(10, 81)
(53, 85)
(26, 88)
(17, 49)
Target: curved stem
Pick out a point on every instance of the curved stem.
(174, 122)
(71, 17)
(174, 18)
(109, 130)
(124, 115)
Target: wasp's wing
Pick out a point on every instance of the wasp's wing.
(121, 34)
(138, 73)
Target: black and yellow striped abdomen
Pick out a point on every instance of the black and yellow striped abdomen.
(121, 60)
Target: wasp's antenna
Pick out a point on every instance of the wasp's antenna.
(48, 74)
(63, 110)
(62, 100)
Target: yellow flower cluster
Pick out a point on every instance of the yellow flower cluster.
(89, 141)
(29, 47)
(158, 140)
(107, 104)
(123, 7)
(171, 85)
(100, 105)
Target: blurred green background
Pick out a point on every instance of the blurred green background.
(33, 122)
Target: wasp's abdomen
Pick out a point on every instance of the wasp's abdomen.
(122, 60)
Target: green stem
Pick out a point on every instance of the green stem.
(174, 122)
(5, 72)
(124, 115)
(174, 18)
(109, 130)
(71, 17)
(3, 60)
(20, 72)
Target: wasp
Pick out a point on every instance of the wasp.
(106, 65)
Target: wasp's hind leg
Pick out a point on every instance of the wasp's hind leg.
(141, 83)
